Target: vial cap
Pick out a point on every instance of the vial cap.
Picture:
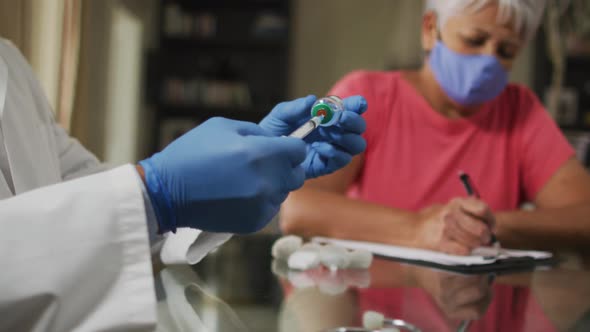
(323, 109)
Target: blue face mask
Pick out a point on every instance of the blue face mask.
(467, 79)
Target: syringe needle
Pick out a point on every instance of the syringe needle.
(307, 128)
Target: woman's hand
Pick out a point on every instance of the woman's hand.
(459, 297)
(456, 228)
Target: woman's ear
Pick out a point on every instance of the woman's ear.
(429, 31)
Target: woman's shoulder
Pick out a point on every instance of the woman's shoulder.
(371, 75)
(521, 109)
(516, 92)
(520, 101)
(367, 81)
(377, 87)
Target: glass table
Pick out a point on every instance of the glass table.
(240, 288)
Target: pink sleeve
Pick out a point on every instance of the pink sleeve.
(352, 84)
(543, 148)
(359, 83)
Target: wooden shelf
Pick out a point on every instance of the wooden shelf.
(234, 52)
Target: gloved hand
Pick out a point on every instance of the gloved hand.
(223, 176)
(328, 148)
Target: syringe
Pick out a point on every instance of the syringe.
(308, 127)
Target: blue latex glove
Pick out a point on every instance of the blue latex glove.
(223, 176)
(328, 148)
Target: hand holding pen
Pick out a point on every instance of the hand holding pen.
(472, 191)
(457, 228)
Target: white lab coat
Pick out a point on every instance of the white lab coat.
(74, 256)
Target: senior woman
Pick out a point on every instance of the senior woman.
(456, 113)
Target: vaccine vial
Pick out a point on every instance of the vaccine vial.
(327, 107)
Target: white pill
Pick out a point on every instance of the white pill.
(304, 260)
(360, 259)
(279, 267)
(285, 246)
(332, 286)
(300, 279)
(334, 257)
(312, 246)
(373, 320)
(357, 278)
(390, 329)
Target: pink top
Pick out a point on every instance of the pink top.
(510, 148)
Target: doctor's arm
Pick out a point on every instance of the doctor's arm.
(239, 188)
(87, 235)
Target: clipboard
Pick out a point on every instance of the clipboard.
(508, 261)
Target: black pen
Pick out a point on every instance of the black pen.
(471, 191)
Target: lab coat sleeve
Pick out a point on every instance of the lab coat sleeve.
(74, 160)
(190, 246)
(75, 257)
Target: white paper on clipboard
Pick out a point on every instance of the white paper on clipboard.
(434, 256)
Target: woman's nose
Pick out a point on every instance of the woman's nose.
(489, 48)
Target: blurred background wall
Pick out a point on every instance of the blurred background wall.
(92, 57)
(374, 34)
(112, 118)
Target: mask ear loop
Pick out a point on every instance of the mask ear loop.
(439, 38)
(426, 53)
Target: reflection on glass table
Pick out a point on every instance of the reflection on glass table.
(239, 288)
(191, 306)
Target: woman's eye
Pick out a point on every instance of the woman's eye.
(474, 42)
(506, 53)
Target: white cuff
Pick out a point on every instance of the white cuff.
(190, 246)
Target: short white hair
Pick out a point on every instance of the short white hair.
(526, 14)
